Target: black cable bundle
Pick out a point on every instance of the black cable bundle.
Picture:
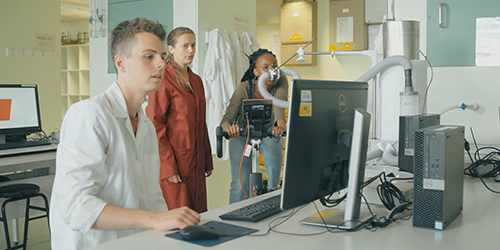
(328, 202)
(389, 193)
(490, 159)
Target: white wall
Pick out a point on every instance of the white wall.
(454, 85)
(451, 85)
(20, 21)
(219, 14)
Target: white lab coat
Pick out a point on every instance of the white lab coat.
(246, 48)
(239, 59)
(99, 162)
(218, 82)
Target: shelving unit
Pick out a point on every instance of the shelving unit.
(75, 75)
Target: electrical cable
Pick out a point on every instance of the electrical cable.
(388, 192)
(242, 157)
(385, 221)
(371, 225)
(491, 158)
(38, 136)
(430, 81)
(283, 219)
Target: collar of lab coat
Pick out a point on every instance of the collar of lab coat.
(119, 109)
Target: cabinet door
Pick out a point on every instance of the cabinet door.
(451, 29)
(120, 10)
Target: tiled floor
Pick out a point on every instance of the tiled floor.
(38, 234)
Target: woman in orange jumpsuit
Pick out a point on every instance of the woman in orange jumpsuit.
(177, 110)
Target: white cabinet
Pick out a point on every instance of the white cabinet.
(75, 75)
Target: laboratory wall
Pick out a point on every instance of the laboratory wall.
(337, 68)
(21, 21)
(450, 85)
(457, 85)
(220, 14)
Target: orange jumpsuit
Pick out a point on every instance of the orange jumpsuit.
(179, 119)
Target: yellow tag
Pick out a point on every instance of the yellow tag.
(323, 214)
(296, 37)
(332, 48)
(347, 46)
(305, 109)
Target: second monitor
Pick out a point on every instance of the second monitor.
(318, 145)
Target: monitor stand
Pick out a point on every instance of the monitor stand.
(351, 218)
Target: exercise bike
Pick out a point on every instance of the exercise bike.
(257, 115)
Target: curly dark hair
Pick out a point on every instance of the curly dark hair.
(249, 75)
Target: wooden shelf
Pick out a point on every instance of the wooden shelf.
(75, 75)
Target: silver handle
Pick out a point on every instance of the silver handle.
(440, 15)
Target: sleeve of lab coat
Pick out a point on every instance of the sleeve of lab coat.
(282, 94)
(208, 152)
(81, 170)
(158, 105)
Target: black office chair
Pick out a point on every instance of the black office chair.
(17, 192)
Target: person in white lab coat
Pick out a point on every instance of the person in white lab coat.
(107, 166)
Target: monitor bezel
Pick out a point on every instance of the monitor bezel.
(296, 86)
(28, 129)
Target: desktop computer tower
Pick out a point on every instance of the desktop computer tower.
(438, 176)
(407, 127)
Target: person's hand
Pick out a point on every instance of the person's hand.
(234, 131)
(208, 172)
(175, 218)
(174, 178)
(278, 131)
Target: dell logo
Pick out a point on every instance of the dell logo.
(342, 103)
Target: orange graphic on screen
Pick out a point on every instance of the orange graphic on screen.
(5, 109)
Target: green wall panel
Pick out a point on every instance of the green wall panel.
(121, 10)
(455, 43)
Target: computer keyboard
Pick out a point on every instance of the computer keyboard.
(256, 211)
(23, 144)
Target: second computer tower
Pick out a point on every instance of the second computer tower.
(438, 176)
(407, 127)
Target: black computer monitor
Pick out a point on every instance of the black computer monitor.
(19, 110)
(320, 125)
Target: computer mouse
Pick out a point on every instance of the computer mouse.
(199, 232)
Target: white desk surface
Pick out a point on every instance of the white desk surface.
(475, 228)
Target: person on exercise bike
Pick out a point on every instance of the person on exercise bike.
(272, 150)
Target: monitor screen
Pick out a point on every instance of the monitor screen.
(19, 110)
(321, 116)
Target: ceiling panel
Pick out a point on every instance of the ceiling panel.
(74, 10)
